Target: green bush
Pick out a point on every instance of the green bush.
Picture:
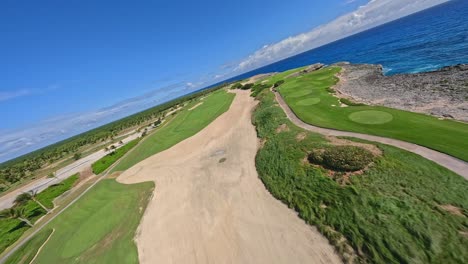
(342, 158)
(350, 103)
(278, 83)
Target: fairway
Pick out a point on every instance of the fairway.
(371, 117)
(301, 94)
(99, 228)
(185, 124)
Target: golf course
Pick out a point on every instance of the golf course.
(233, 178)
(311, 98)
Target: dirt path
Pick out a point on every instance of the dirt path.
(210, 206)
(458, 166)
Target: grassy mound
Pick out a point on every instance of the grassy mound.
(371, 117)
(391, 213)
(342, 158)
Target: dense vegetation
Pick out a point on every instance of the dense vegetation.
(402, 209)
(342, 158)
(11, 228)
(17, 169)
(310, 99)
(185, 124)
(105, 162)
(98, 228)
(26, 253)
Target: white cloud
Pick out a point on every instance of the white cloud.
(374, 13)
(13, 94)
(21, 141)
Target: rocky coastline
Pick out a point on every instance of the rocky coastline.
(442, 93)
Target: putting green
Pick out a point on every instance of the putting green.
(299, 94)
(371, 117)
(309, 101)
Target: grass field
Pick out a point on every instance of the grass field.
(27, 252)
(12, 229)
(310, 99)
(403, 209)
(105, 162)
(184, 125)
(99, 228)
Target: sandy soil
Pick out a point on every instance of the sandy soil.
(210, 206)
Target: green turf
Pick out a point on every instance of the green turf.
(389, 214)
(105, 162)
(47, 196)
(371, 117)
(443, 135)
(185, 124)
(12, 229)
(26, 253)
(100, 227)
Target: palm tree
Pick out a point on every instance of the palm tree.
(15, 213)
(31, 195)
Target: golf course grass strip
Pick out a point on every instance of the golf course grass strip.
(446, 136)
(184, 125)
(26, 253)
(100, 227)
(393, 212)
(105, 162)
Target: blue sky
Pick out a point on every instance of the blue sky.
(68, 66)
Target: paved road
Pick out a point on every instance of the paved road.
(41, 184)
(458, 166)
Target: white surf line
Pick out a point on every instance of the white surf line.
(43, 244)
(456, 165)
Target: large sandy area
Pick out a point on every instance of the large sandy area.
(209, 206)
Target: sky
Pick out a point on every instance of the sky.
(69, 66)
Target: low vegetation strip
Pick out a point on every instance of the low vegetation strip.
(14, 222)
(401, 208)
(98, 228)
(185, 124)
(105, 162)
(26, 253)
(446, 136)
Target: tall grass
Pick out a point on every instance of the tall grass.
(390, 214)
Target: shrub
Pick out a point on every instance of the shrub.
(278, 83)
(350, 103)
(342, 158)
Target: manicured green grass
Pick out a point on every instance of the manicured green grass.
(47, 196)
(184, 125)
(302, 93)
(12, 229)
(100, 227)
(390, 214)
(26, 253)
(105, 162)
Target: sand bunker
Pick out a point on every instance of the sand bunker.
(207, 211)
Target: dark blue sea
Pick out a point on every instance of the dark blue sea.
(424, 41)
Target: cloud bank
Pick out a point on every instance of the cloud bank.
(374, 13)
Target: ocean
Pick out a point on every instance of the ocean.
(424, 41)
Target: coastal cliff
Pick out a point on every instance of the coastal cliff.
(442, 93)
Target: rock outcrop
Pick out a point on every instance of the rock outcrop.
(442, 93)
